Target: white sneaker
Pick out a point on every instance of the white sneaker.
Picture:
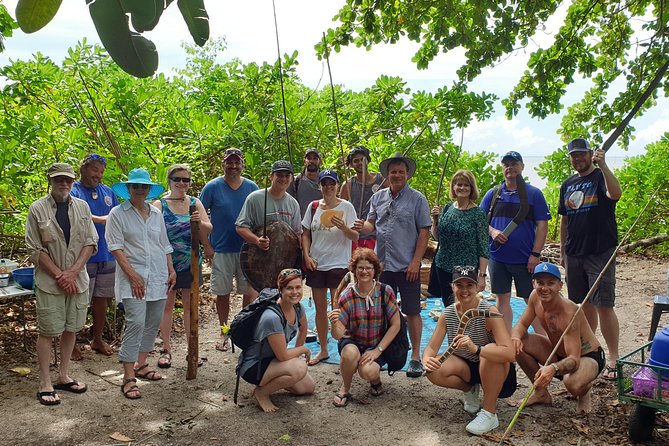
(471, 399)
(483, 423)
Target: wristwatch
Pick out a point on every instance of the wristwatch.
(536, 254)
(380, 348)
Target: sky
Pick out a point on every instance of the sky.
(248, 29)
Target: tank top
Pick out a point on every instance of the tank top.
(476, 330)
(370, 189)
(178, 232)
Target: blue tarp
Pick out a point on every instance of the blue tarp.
(517, 304)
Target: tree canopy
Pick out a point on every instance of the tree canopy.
(618, 44)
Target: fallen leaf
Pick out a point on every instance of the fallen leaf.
(23, 371)
(120, 437)
(285, 437)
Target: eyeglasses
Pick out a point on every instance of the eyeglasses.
(180, 180)
(364, 268)
(139, 186)
(290, 272)
(95, 157)
(62, 179)
(389, 209)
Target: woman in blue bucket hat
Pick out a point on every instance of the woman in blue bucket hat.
(137, 238)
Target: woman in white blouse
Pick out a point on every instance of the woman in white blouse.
(137, 239)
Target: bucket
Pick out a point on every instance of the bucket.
(4, 280)
(659, 352)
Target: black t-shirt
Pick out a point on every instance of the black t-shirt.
(591, 215)
(63, 220)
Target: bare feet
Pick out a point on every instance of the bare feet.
(263, 401)
(584, 404)
(102, 347)
(76, 355)
(540, 396)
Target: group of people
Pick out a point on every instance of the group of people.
(376, 228)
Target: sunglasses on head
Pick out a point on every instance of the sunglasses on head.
(290, 272)
(180, 180)
(139, 186)
(95, 157)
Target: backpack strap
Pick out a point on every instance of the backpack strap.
(495, 196)
(314, 206)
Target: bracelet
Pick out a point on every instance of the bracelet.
(483, 275)
(536, 254)
(557, 369)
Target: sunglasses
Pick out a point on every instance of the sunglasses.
(233, 152)
(95, 157)
(464, 269)
(139, 186)
(62, 179)
(180, 180)
(290, 272)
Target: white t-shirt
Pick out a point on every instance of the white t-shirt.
(329, 246)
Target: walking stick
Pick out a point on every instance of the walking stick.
(592, 290)
(193, 346)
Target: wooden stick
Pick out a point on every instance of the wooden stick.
(193, 345)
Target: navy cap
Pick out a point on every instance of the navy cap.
(328, 173)
(547, 268)
(282, 165)
(232, 151)
(514, 155)
(465, 272)
(578, 145)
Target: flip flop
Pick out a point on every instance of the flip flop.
(317, 360)
(150, 375)
(166, 359)
(610, 373)
(41, 395)
(376, 389)
(343, 399)
(223, 346)
(132, 388)
(71, 387)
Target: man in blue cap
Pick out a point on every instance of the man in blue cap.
(588, 239)
(580, 358)
(516, 252)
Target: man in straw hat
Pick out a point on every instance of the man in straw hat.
(60, 237)
(588, 239)
(401, 217)
(579, 359)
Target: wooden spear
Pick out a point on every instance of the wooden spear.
(193, 345)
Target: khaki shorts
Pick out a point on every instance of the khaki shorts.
(224, 267)
(57, 313)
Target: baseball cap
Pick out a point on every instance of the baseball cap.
(312, 150)
(282, 165)
(547, 268)
(465, 272)
(233, 152)
(60, 169)
(514, 155)
(328, 173)
(578, 145)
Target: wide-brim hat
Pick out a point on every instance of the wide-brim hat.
(138, 176)
(411, 164)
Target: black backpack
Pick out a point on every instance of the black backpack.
(242, 328)
(396, 353)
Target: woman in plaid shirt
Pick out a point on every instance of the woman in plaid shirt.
(359, 324)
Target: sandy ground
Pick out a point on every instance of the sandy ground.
(411, 412)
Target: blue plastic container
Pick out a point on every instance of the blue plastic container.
(25, 277)
(659, 352)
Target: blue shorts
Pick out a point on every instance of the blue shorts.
(501, 275)
(510, 383)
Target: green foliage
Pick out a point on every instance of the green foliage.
(7, 25)
(134, 53)
(617, 45)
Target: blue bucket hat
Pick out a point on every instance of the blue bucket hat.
(138, 176)
(547, 268)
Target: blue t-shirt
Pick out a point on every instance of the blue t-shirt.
(518, 248)
(101, 199)
(224, 203)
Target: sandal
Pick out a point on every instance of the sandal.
(42, 400)
(73, 386)
(165, 360)
(223, 345)
(343, 399)
(376, 389)
(133, 388)
(610, 373)
(150, 375)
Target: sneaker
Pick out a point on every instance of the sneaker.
(483, 423)
(415, 369)
(471, 399)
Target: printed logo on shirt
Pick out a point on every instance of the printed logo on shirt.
(108, 200)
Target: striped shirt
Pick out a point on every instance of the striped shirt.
(476, 330)
(366, 327)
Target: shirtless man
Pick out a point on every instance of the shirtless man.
(580, 358)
